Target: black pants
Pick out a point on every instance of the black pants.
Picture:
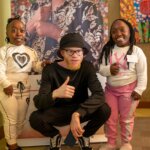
(44, 121)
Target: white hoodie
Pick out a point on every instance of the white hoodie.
(137, 68)
(17, 61)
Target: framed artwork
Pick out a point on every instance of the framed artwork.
(137, 12)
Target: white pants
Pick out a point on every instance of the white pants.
(14, 109)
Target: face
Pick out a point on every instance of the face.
(16, 32)
(73, 57)
(120, 33)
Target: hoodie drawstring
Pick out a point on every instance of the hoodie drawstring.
(20, 86)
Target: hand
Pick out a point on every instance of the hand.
(42, 27)
(114, 69)
(47, 29)
(135, 96)
(75, 126)
(9, 90)
(42, 14)
(64, 91)
(45, 62)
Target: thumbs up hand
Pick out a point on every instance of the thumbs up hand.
(64, 91)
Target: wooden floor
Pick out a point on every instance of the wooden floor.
(141, 137)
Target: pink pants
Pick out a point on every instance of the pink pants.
(122, 111)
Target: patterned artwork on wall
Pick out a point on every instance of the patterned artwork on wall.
(47, 20)
(137, 12)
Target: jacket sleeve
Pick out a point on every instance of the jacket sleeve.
(37, 64)
(3, 64)
(141, 69)
(96, 98)
(104, 69)
(44, 99)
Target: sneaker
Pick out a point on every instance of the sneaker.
(108, 147)
(126, 146)
(84, 143)
(55, 142)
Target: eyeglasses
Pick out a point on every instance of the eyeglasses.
(70, 52)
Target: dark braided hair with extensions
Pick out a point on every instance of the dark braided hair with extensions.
(8, 22)
(107, 49)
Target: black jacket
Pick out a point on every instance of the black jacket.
(84, 79)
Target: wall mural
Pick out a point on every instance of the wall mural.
(137, 12)
(48, 20)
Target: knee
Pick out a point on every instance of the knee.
(34, 120)
(105, 111)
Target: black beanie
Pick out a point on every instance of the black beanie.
(72, 40)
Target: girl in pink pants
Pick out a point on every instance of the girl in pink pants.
(125, 67)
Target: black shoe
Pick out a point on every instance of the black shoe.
(84, 143)
(55, 148)
(18, 147)
(55, 142)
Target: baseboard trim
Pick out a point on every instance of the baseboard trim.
(144, 104)
(1, 133)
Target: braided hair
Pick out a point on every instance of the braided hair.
(8, 22)
(107, 49)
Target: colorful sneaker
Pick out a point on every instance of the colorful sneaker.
(84, 143)
(55, 142)
(126, 146)
(108, 147)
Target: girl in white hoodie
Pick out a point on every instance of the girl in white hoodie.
(16, 61)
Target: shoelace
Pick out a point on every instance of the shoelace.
(84, 142)
(55, 142)
(20, 86)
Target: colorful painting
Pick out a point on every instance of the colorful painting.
(137, 12)
(46, 23)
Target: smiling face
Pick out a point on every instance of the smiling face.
(16, 32)
(120, 33)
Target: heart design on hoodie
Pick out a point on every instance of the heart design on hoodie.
(21, 59)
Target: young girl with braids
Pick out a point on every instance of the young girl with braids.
(125, 67)
(16, 61)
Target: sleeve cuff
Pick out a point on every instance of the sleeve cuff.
(37, 66)
(6, 83)
(138, 91)
(82, 112)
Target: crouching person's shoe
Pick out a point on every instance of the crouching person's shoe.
(84, 143)
(55, 142)
(126, 146)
